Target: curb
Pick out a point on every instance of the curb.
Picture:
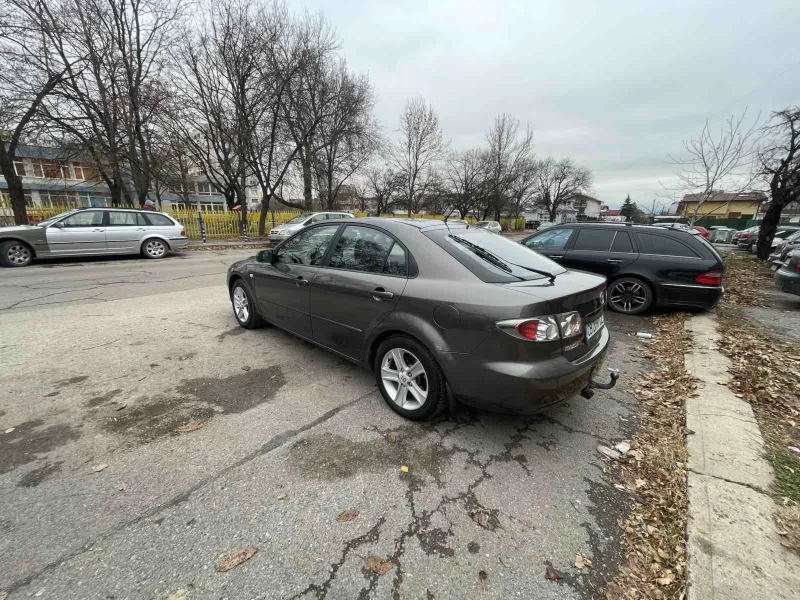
(734, 550)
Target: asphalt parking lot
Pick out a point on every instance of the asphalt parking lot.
(102, 360)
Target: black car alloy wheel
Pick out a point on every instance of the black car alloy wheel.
(629, 295)
(244, 308)
(15, 254)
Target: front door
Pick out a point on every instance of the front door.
(604, 251)
(282, 288)
(551, 242)
(80, 233)
(357, 289)
(124, 231)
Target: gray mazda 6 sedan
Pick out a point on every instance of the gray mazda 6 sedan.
(436, 311)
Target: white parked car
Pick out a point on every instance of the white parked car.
(492, 226)
(288, 229)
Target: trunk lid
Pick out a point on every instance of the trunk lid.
(572, 291)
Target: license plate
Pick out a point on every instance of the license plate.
(593, 327)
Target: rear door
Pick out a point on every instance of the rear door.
(124, 231)
(601, 250)
(83, 232)
(551, 242)
(358, 287)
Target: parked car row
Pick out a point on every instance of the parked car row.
(748, 239)
(787, 277)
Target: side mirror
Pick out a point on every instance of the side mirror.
(265, 256)
(58, 224)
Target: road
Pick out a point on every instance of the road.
(101, 361)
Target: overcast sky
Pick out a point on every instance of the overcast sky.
(615, 85)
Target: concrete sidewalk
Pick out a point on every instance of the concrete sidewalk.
(734, 550)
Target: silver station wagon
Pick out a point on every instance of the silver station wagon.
(90, 232)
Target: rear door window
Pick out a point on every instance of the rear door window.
(664, 246)
(117, 219)
(368, 250)
(622, 242)
(596, 240)
(552, 239)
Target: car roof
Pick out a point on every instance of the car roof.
(114, 208)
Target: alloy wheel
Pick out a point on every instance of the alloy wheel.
(241, 306)
(627, 296)
(19, 254)
(404, 379)
(155, 248)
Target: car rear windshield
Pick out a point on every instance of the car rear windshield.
(491, 257)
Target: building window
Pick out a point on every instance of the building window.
(19, 168)
(37, 170)
(204, 189)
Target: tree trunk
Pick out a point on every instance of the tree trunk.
(305, 161)
(15, 189)
(262, 218)
(768, 227)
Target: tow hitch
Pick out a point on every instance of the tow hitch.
(588, 391)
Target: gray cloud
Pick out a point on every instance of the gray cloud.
(616, 85)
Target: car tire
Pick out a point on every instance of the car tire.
(629, 296)
(15, 254)
(155, 248)
(244, 308)
(397, 374)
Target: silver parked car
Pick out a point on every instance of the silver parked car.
(492, 226)
(90, 232)
(288, 229)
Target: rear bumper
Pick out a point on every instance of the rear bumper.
(788, 281)
(178, 243)
(520, 387)
(696, 296)
(277, 239)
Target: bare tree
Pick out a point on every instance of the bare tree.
(465, 177)
(556, 181)
(521, 191)
(506, 153)
(28, 75)
(385, 186)
(348, 137)
(780, 167)
(420, 147)
(716, 161)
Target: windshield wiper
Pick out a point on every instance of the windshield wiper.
(498, 262)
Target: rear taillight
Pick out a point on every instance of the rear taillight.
(183, 233)
(710, 278)
(543, 329)
(747, 234)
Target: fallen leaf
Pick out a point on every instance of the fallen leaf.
(245, 368)
(551, 574)
(667, 579)
(502, 562)
(10, 429)
(404, 469)
(608, 452)
(377, 565)
(235, 558)
(100, 467)
(283, 497)
(580, 563)
(392, 436)
(794, 449)
(193, 426)
(348, 515)
(178, 595)
(639, 483)
(121, 406)
(662, 554)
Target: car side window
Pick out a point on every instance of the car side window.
(159, 220)
(318, 218)
(86, 218)
(308, 248)
(552, 239)
(622, 242)
(396, 262)
(663, 245)
(117, 219)
(369, 250)
(596, 240)
(140, 220)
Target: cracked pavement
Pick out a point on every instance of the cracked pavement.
(292, 436)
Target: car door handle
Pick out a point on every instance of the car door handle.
(615, 261)
(98, 229)
(556, 256)
(381, 294)
(301, 280)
